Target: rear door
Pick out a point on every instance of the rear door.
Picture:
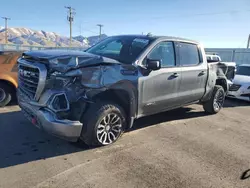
(158, 90)
(194, 72)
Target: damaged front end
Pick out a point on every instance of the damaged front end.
(54, 91)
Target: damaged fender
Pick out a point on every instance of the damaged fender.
(111, 82)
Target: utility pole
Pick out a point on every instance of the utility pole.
(100, 30)
(6, 29)
(248, 41)
(70, 18)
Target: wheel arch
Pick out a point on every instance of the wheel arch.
(12, 85)
(212, 82)
(222, 82)
(12, 80)
(123, 96)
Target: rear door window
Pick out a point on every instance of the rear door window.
(189, 54)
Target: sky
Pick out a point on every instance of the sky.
(215, 23)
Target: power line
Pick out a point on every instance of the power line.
(203, 14)
(191, 15)
(90, 31)
(100, 30)
(6, 29)
(70, 18)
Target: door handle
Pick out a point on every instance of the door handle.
(175, 75)
(202, 73)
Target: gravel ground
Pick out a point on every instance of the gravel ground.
(183, 148)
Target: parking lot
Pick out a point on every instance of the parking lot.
(181, 148)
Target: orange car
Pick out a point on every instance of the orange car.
(8, 76)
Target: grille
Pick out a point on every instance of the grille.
(28, 78)
(234, 87)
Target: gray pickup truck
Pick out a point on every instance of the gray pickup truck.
(96, 95)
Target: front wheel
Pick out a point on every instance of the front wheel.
(215, 103)
(103, 124)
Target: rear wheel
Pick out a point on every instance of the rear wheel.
(5, 94)
(103, 124)
(216, 102)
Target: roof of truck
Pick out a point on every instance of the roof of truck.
(153, 37)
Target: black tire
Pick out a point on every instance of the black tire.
(215, 104)
(94, 118)
(5, 94)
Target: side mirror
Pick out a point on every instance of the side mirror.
(153, 64)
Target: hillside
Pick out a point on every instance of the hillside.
(25, 36)
(90, 40)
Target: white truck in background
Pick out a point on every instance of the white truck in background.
(229, 68)
(238, 77)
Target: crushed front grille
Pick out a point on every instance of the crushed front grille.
(28, 78)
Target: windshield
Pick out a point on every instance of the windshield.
(243, 70)
(124, 48)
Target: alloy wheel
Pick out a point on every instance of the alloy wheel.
(219, 100)
(109, 129)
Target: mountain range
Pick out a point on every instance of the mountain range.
(26, 36)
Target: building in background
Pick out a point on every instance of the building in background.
(238, 55)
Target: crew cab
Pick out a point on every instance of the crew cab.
(8, 76)
(96, 95)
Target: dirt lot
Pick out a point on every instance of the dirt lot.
(181, 148)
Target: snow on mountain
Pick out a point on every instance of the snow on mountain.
(1, 28)
(90, 40)
(27, 36)
(79, 38)
(84, 40)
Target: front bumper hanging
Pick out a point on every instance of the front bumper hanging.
(45, 119)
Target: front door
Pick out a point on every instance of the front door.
(158, 90)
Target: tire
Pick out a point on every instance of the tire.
(215, 103)
(5, 94)
(103, 118)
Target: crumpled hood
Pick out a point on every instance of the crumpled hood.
(241, 79)
(65, 60)
(50, 54)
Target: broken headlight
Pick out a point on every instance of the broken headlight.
(59, 82)
(59, 102)
(62, 80)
